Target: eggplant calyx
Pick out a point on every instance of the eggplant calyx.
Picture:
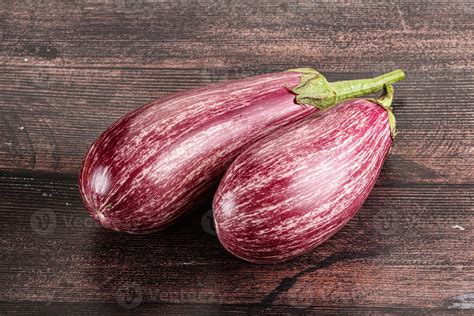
(385, 101)
(313, 89)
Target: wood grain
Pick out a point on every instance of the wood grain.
(50, 125)
(181, 34)
(69, 70)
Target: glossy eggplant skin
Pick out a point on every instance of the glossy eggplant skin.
(295, 188)
(153, 165)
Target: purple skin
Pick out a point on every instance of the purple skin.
(294, 189)
(153, 165)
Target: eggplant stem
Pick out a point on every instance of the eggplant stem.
(385, 101)
(313, 88)
(355, 88)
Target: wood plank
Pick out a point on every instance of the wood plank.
(404, 245)
(33, 308)
(48, 120)
(427, 35)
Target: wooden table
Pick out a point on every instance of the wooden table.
(68, 71)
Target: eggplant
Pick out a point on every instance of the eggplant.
(156, 163)
(294, 189)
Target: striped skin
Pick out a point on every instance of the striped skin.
(292, 190)
(154, 164)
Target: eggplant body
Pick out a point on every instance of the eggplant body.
(154, 164)
(295, 188)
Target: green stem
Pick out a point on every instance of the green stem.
(355, 88)
(313, 88)
(385, 101)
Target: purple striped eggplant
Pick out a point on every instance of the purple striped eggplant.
(156, 163)
(295, 188)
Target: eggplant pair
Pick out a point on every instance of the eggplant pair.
(153, 165)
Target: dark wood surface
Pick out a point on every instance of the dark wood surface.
(68, 71)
